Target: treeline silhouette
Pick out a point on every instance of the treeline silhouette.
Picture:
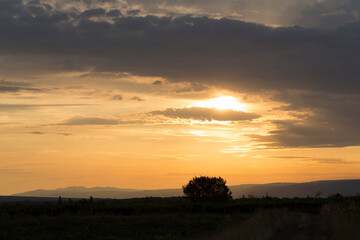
(151, 205)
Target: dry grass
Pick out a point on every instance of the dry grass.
(342, 222)
(261, 225)
(335, 222)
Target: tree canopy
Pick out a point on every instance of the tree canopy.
(205, 188)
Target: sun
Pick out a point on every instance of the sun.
(223, 103)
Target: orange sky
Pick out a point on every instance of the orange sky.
(112, 93)
(86, 137)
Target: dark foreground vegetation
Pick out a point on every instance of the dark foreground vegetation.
(335, 217)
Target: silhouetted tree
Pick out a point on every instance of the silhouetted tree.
(318, 194)
(59, 200)
(207, 189)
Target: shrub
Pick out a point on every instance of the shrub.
(207, 189)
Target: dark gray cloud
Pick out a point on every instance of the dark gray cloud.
(223, 52)
(332, 121)
(329, 14)
(310, 133)
(157, 82)
(10, 83)
(240, 56)
(309, 13)
(96, 12)
(114, 13)
(133, 12)
(203, 114)
(13, 87)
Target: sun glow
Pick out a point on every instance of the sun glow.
(223, 103)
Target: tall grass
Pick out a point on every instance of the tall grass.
(261, 225)
(342, 220)
(335, 218)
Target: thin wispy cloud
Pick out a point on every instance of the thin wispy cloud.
(137, 99)
(90, 121)
(36, 133)
(23, 107)
(206, 114)
(79, 121)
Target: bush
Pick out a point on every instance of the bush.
(207, 189)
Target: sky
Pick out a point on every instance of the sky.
(147, 94)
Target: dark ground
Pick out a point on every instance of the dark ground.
(180, 219)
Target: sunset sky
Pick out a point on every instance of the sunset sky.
(147, 94)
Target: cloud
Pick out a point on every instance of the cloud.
(15, 107)
(321, 63)
(118, 97)
(318, 160)
(242, 55)
(96, 12)
(310, 133)
(157, 82)
(134, 12)
(309, 13)
(194, 87)
(41, 133)
(206, 114)
(329, 14)
(331, 160)
(12, 87)
(332, 121)
(138, 99)
(97, 121)
(90, 121)
(21, 107)
(36, 133)
(114, 13)
(65, 134)
(10, 83)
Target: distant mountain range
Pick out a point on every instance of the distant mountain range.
(344, 187)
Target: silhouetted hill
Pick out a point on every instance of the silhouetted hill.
(101, 192)
(344, 187)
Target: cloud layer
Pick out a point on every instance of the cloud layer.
(332, 122)
(223, 52)
(13, 87)
(206, 114)
(310, 69)
(308, 13)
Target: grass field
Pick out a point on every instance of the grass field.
(177, 218)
